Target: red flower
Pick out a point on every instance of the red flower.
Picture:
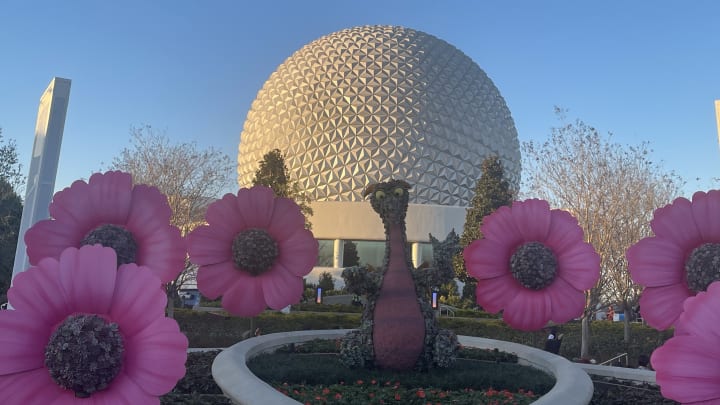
(397, 397)
(326, 391)
(421, 393)
(338, 396)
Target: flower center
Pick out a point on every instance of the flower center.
(254, 250)
(116, 237)
(84, 354)
(533, 265)
(703, 266)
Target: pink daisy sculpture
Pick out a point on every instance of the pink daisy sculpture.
(254, 251)
(680, 260)
(109, 210)
(533, 264)
(81, 328)
(686, 366)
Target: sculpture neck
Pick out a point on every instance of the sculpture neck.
(396, 254)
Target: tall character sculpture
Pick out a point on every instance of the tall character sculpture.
(399, 330)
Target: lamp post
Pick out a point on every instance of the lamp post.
(434, 302)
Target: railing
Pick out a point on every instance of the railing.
(604, 363)
(449, 311)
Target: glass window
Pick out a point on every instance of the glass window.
(325, 253)
(426, 253)
(370, 252)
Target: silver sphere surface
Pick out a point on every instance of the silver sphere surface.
(370, 103)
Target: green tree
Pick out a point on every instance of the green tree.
(492, 191)
(10, 167)
(10, 215)
(326, 281)
(273, 172)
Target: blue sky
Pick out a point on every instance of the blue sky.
(643, 70)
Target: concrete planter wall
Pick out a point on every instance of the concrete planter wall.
(572, 386)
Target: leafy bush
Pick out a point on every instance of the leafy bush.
(221, 330)
(313, 307)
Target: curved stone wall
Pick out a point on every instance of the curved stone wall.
(572, 386)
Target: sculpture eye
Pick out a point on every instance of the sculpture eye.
(399, 192)
(379, 194)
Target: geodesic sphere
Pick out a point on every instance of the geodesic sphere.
(367, 104)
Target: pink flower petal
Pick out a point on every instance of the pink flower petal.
(686, 368)
(676, 223)
(68, 205)
(123, 391)
(655, 262)
(105, 199)
(286, 218)
(160, 245)
(225, 218)
(567, 302)
(110, 194)
(214, 279)
(155, 357)
(138, 299)
(22, 341)
(48, 238)
(256, 206)
(299, 252)
(38, 292)
(528, 311)
(281, 288)
(705, 207)
(500, 226)
(486, 258)
(30, 387)
(245, 298)
(579, 265)
(493, 294)
(88, 278)
(700, 315)
(564, 231)
(532, 218)
(661, 306)
(149, 209)
(207, 246)
(163, 252)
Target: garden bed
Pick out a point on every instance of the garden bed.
(198, 388)
(312, 373)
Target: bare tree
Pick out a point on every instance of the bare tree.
(191, 178)
(612, 190)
